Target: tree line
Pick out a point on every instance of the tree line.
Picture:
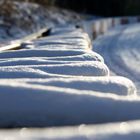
(97, 7)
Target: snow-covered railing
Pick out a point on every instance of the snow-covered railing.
(62, 80)
(98, 27)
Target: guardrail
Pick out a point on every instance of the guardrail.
(16, 44)
(100, 26)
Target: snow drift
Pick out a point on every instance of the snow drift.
(82, 91)
(38, 105)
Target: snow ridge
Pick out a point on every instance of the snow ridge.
(62, 86)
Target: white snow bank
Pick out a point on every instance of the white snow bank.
(35, 61)
(83, 57)
(75, 38)
(106, 84)
(113, 131)
(78, 94)
(77, 34)
(54, 46)
(120, 48)
(64, 41)
(40, 53)
(67, 43)
(70, 39)
(74, 69)
(111, 84)
(37, 105)
(63, 55)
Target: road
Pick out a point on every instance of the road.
(120, 48)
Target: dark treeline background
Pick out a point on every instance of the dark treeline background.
(98, 7)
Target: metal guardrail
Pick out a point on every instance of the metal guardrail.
(16, 44)
(101, 26)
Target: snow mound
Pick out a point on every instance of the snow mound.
(40, 53)
(73, 69)
(73, 35)
(113, 131)
(38, 105)
(42, 86)
(75, 39)
(111, 84)
(35, 61)
(63, 55)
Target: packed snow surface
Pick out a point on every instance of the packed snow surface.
(120, 48)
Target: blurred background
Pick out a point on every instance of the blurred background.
(97, 7)
(20, 17)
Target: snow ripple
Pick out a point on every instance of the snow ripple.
(42, 86)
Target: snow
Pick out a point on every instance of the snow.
(116, 85)
(41, 53)
(38, 105)
(75, 39)
(48, 60)
(66, 28)
(59, 81)
(73, 69)
(47, 54)
(120, 48)
(121, 131)
(18, 19)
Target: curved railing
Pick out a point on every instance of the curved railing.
(100, 26)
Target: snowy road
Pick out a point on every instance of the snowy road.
(120, 48)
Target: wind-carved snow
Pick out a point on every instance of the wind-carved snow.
(42, 86)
